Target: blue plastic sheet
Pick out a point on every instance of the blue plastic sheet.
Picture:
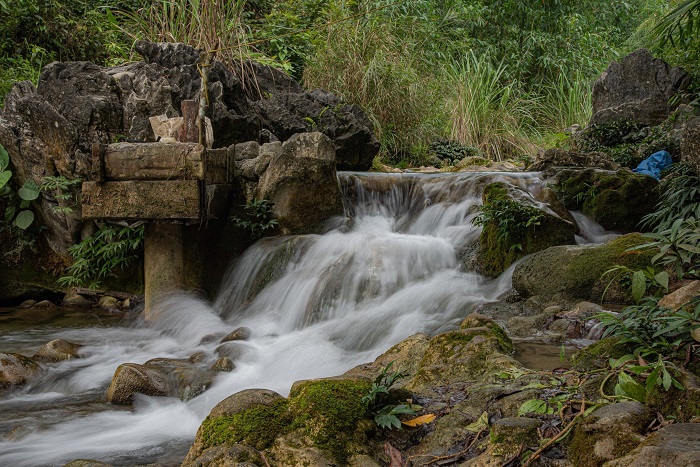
(654, 164)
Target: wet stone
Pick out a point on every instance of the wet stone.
(239, 334)
(223, 364)
(57, 350)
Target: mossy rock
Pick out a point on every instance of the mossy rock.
(597, 355)
(681, 404)
(616, 200)
(330, 412)
(474, 353)
(509, 434)
(608, 433)
(575, 272)
(499, 249)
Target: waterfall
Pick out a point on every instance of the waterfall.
(317, 305)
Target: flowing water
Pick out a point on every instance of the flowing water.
(317, 305)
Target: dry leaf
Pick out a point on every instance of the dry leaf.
(397, 459)
(422, 420)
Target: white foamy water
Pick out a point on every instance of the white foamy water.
(333, 301)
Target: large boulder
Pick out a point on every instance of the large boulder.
(638, 89)
(616, 200)
(57, 350)
(301, 183)
(574, 272)
(690, 145)
(677, 445)
(160, 377)
(532, 226)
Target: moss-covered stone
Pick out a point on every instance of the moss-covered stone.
(509, 434)
(616, 200)
(529, 229)
(681, 404)
(610, 432)
(257, 427)
(330, 411)
(575, 272)
(597, 355)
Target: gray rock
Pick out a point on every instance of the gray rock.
(238, 334)
(556, 157)
(307, 160)
(638, 89)
(223, 364)
(57, 350)
(131, 378)
(109, 303)
(28, 304)
(44, 304)
(72, 299)
(677, 445)
(244, 400)
(16, 369)
(87, 463)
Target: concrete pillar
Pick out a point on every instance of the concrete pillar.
(163, 262)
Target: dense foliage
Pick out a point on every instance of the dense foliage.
(497, 75)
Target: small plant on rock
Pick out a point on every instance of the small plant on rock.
(17, 211)
(511, 218)
(377, 400)
(59, 188)
(257, 218)
(98, 256)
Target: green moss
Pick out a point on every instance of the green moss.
(681, 404)
(512, 230)
(331, 412)
(582, 451)
(596, 355)
(257, 427)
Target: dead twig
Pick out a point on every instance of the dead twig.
(459, 454)
(535, 455)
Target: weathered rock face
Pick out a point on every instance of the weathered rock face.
(690, 145)
(677, 445)
(616, 200)
(300, 181)
(17, 369)
(573, 273)
(638, 89)
(49, 130)
(610, 432)
(562, 158)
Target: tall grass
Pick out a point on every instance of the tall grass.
(367, 63)
(565, 102)
(209, 25)
(487, 113)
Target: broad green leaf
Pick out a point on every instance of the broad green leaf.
(24, 219)
(5, 177)
(536, 406)
(662, 279)
(639, 285)
(4, 158)
(29, 191)
(631, 388)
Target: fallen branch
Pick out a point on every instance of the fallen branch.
(535, 455)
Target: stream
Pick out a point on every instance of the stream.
(389, 269)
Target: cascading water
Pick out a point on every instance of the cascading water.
(317, 306)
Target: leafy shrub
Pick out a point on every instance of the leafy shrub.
(452, 151)
(17, 211)
(658, 337)
(680, 198)
(257, 218)
(511, 219)
(377, 403)
(98, 256)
